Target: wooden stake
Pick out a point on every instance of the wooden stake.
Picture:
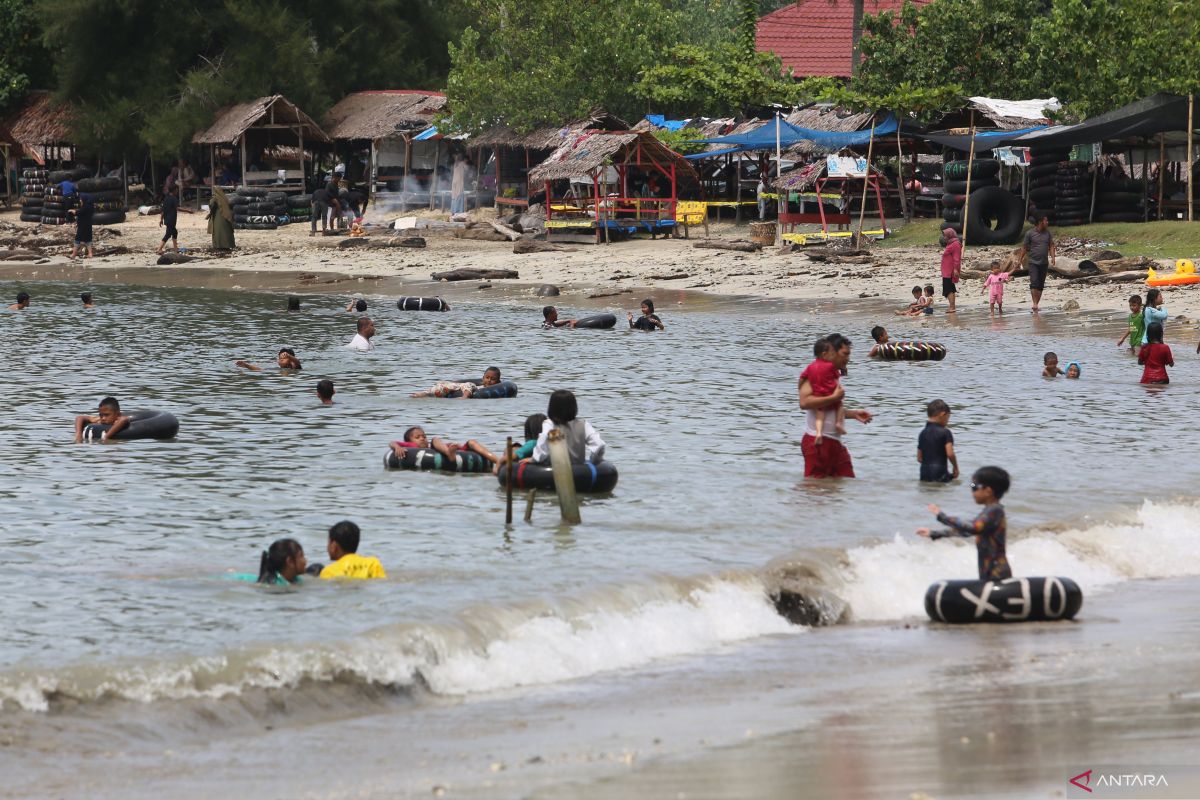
(1162, 166)
(529, 498)
(508, 451)
(967, 202)
(900, 175)
(564, 478)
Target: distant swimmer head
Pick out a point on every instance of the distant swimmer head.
(879, 333)
(647, 306)
(563, 407)
(325, 391)
(1154, 333)
(284, 559)
(22, 298)
(549, 313)
(360, 306)
(1074, 370)
(416, 435)
(86, 297)
(287, 358)
(109, 410)
(491, 376)
(533, 425)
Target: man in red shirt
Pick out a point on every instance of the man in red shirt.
(829, 459)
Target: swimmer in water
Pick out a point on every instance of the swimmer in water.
(880, 335)
(550, 319)
(325, 392)
(415, 437)
(286, 360)
(282, 563)
(109, 413)
(990, 528)
(1050, 366)
(533, 429)
(22, 302)
(1074, 370)
(343, 552)
(648, 321)
(491, 377)
(86, 297)
(358, 306)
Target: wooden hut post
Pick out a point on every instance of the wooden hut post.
(967, 200)
(862, 206)
(1095, 186)
(371, 171)
(125, 180)
(243, 158)
(1191, 137)
(900, 175)
(407, 164)
(1162, 165)
(302, 172)
(1145, 180)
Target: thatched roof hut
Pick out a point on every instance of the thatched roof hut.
(593, 150)
(375, 115)
(265, 113)
(550, 136)
(40, 125)
(264, 119)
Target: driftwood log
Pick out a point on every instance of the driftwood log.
(470, 274)
(737, 245)
(505, 230)
(838, 256)
(1132, 276)
(483, 233)
(524, 246)
(173, 258)
(20, 255)
(399, 241)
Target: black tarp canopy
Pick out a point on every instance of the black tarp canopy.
(984, 140)
(1158, 113)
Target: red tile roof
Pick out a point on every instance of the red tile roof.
(815, 37)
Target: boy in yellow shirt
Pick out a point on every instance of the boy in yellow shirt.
(343, 552)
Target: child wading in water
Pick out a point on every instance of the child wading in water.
(935, 445)
(994, 286)
(1154, 311)
(1155, 356)
(1050, 366)
(990, 528)
(915, 307)
(1137, 325)
(824, 378)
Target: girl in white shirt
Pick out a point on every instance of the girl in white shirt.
(583, 443)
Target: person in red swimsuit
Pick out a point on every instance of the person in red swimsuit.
(829, 458)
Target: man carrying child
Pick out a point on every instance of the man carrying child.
(827, 457)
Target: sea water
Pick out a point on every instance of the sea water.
(122, 627)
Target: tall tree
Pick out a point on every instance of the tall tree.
(23, 60)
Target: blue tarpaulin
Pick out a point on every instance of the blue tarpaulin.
(428, 133)
(660, 121)
(763, 137)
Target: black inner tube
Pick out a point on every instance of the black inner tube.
(143, 424)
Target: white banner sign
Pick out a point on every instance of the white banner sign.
(845, 167)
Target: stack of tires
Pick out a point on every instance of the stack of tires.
(300, 207)
(1043, 177)
(996, 215)
(108, 195)
(1072, 193)
(33, 193)
(1120, 200)
(253, 210)
(55, 204)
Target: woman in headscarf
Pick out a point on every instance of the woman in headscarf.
(951, 266)
(220, 220)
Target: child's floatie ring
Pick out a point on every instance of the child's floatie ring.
(910, 351)
(422, 304)
(1009, 600)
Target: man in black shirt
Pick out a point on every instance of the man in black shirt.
(169, 219)
(935, 445)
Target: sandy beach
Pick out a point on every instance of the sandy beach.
(615, 273)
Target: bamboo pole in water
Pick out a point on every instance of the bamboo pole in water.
(967, 200)
(508, 465)
(529, 498)
(564, 478)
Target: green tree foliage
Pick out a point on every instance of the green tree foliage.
(715, 81)
(145, 71)
(532, 62)
(21, 53)
(682, 141)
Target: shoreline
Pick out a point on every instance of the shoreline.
(670, 270)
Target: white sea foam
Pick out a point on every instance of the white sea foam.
(506, 647)
(888, 581)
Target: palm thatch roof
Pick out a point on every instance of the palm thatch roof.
(231, 122)
(550, 136)
(583, 154)
(41, 121)
(380, 114)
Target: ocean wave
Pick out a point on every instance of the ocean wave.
(486, 649)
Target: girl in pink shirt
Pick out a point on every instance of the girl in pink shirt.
(951, 266)
(994, 285)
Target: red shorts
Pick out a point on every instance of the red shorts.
(830, 459)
